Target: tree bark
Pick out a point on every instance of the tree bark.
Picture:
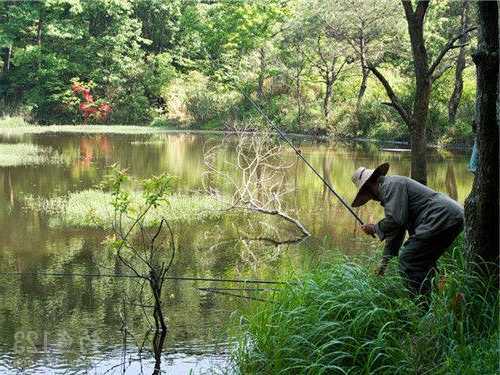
(6, 57)
(328, 96)
(459, 83)
(260, 87)
(415, 20)
(298, 94)
(481, 206)
(362, 88)
(39, 34)
(364, 71)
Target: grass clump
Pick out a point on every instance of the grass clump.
(13, 122)
(15, 154)
(343, 319)
(93, 208)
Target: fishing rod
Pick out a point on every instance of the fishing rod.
(299, 154)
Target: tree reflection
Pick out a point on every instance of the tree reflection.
(451, 182)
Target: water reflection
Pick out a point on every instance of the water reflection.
(52, 324)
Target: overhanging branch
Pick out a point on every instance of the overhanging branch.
(395, 103)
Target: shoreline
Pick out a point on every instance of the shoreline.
(144, 129)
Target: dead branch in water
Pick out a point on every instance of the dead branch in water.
(254, 181)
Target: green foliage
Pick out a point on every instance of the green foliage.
(342, 319)
(167, 62)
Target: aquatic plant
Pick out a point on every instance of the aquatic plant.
(342, 319)
(93, 208)
(13, 122)
(15, 154)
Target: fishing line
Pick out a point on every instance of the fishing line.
(180, 278)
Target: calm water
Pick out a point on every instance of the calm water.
(72, 324)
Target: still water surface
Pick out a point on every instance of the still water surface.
(65, 325)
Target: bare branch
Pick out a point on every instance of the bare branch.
(451, 44)
(258, 183)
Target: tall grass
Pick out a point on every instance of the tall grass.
(343, 319)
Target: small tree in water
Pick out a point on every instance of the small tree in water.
(147, 249)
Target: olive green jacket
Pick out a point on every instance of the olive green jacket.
(413, 207)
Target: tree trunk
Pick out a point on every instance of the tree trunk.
(260, 87)
(6, 57)
(481, 207)
(298, 94)
(422, 94)
(362, 88)
(328, 97)
(364, 71)
(459, 83)
(39, 36)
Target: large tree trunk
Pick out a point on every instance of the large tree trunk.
(422, 94)
(459, 83)
(481, 207)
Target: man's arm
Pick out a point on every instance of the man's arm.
(393, 243)
(392, 228)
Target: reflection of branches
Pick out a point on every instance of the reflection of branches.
(255, 181)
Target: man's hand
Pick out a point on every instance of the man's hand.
(380, 270)
(369, 229)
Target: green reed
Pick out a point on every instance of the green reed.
(343, 319)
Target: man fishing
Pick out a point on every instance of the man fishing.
(433, 220)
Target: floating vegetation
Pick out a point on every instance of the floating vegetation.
(13, 122)
(15, 154)
(92, 208)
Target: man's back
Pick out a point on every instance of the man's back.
(423, 211)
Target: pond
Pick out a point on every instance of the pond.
(54, 320)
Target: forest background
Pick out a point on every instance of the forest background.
(194, 64)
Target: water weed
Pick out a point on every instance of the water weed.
(92, 208)
(15, 154)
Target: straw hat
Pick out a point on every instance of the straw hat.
(361, 177)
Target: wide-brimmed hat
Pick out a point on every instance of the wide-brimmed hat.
(361, 177)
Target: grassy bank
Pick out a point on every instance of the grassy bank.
(343, 319)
